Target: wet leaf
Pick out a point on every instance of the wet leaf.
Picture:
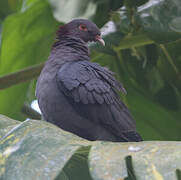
(151, 160)
(36, 149)
(6, 124)
(39, 150)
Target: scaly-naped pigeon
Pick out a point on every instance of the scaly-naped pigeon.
(80, 96)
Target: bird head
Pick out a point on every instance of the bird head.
(81, 28)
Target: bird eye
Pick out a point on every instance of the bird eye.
(82, 27)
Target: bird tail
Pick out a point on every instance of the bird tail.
(130, 136)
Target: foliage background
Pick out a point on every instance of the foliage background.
(143, 49)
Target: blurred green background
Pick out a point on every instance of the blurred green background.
(143, 48)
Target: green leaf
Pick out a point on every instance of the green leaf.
(77, 167)
(158, 21)
(25, 34)
(39, 150)
(109, 6)
(161, 19)
(151, 160)
(154, 122)
(6, 124)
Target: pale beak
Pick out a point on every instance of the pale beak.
(98, 38)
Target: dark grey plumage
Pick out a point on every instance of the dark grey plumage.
(80, 96)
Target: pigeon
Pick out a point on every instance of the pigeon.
(80, 96)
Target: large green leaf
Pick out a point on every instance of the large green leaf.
(151, 160)
(162, 20)
(29, 148)
(159, 20)
(39, 150)
(6, 124)
(153, 121)
(26, 40)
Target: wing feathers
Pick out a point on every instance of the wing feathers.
(98, 97)
(83, 94)
(76, 95)
(94, 88)
(90, 98)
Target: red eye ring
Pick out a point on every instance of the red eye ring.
(82, 27)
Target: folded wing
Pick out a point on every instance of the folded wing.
(92, 90)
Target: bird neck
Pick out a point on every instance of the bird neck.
(75, 43)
